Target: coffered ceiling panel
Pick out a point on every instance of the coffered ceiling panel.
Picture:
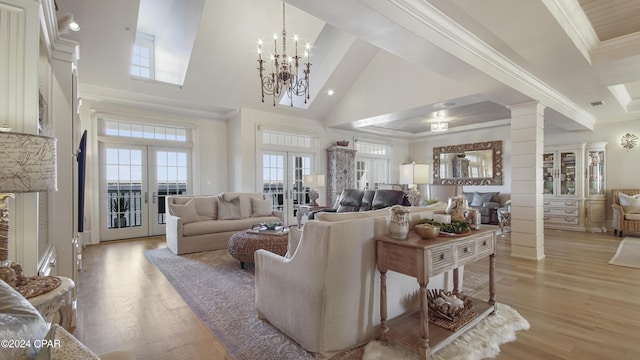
(612, 18)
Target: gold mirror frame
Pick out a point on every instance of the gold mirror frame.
(496, 154)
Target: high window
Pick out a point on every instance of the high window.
(142, 63)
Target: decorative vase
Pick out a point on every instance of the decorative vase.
(399, 222)
(473, 218)
(457, 207)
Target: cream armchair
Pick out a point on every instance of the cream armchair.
(626, 211)
(325, 293)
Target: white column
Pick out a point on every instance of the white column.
(527, 146)
(63, 224)
(19, 44)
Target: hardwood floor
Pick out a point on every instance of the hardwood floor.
(578, 305)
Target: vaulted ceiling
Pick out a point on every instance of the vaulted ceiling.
(391, 63)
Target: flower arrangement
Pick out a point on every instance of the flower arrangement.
(398, 213)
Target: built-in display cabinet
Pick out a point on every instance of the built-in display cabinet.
(574, 187)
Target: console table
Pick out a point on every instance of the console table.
(423, 259)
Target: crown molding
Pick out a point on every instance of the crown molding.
(487, 59)
(108, 96)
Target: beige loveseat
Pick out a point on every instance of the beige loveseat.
(325, 293)
(206, 222)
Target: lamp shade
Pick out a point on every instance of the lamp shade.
(414, 174)
(313, 180)
(28, 163)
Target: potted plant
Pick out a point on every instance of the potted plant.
(120, 206)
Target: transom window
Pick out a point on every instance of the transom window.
(280, 138)
(145, 131)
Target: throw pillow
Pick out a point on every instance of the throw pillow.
(630, 204)
(261, 207)
(229, 210)
(480, 199)
(64, 346)
(187, 211)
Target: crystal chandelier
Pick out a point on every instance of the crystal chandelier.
(439, 126)
(285, 76)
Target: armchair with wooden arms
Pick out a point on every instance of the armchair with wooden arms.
(626, 210)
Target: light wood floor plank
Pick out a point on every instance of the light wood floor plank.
(578, 305)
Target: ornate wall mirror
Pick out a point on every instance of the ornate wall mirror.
(468, 164)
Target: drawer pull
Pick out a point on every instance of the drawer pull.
(466, 249)
(570, 220)
(569, 211)
(484, 243)
(570, 204)
(547, 210)
(442, 256)
(545, 218)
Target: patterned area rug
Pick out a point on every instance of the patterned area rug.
(223, 296)
(628, 253)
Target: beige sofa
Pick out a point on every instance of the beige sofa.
(206, 222)
(325, 292)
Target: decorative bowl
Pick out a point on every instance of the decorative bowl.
(427, 231)
(271, 225)
(342, 143)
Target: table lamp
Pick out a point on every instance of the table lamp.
(413, 175)
(28, 164)
(313, 181)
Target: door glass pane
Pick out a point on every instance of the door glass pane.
(124, 184)
(547, 173)
(596, 172)
(362, 174)
(273, 178)
(171, 175)
(567, 173)
(301, 167)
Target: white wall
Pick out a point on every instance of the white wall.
(421, 151)
(379, 90)
(243, 161)
(621, 165)
(209, 153)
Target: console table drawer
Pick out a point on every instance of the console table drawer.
(485, 245)
(441, 258)
(465, 250)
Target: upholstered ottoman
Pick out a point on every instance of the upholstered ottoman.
(243, 244)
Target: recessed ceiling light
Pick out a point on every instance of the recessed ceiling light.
(330, 92)
(73, 26)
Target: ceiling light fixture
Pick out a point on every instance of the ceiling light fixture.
(284, 76)
(439, 126)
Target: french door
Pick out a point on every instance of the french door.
(134, 181)
(282, 174)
